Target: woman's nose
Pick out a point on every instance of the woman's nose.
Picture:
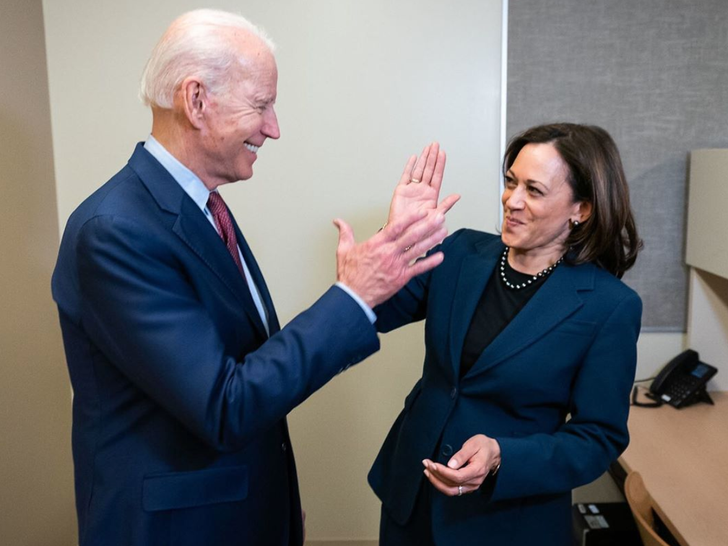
(513, 198)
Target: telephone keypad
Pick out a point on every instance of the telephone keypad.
(677, 392)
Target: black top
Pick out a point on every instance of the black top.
(496, 308)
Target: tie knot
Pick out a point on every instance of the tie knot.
(216, 204)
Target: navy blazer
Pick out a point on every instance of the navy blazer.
(180, 398)
(571, 351)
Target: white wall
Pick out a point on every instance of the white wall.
(655, 349)
(362, 86)
(708, 323)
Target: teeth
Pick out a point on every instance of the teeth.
(252, 148)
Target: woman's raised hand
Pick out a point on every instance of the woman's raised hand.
(419, 185)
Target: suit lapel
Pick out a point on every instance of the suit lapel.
(194, 229)
(197, 232)
(474, 274)
(553, 303)
(257, 275)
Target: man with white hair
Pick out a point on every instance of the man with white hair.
(182, 377)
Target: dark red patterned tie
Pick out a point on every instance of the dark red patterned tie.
(225, 227)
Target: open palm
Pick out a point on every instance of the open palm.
(419, 185)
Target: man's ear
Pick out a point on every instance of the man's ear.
(194, 101)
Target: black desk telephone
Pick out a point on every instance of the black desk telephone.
(682, 381)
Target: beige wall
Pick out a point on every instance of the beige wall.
(36, 504)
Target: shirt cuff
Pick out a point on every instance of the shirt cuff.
(364, 307)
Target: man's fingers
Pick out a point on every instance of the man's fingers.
(425, 264)
(418, 231)
(395, 229)
(430, 240)
(346, 235)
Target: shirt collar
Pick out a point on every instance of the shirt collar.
(189, 181)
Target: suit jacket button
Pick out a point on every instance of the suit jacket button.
(453, 393)
(284, 447)
(447, 450)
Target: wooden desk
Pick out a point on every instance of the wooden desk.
(683, 458)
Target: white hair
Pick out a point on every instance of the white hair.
(194, 45)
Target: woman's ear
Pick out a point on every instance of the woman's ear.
(194, 101)
(585, 210)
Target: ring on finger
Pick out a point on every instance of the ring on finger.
(460, 490)
(415, 180)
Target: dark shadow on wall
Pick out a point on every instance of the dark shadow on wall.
(37, 504)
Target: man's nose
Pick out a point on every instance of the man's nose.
(270, 124)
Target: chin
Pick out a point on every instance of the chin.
(246, 174)
(509, 240)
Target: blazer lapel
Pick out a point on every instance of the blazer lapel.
(553, 303)
(474, 274)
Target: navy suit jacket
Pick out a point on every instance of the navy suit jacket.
(180, 398)
(570, 351)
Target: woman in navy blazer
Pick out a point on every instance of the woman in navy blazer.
(530, 353)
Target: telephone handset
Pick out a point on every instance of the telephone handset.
(682, 381)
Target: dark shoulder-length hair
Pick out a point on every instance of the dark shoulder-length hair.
(608, 237)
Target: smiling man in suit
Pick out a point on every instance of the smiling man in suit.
(182, 376)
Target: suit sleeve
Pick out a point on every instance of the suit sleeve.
(144, 315)
(596, 434)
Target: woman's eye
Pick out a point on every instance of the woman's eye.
(534, 190)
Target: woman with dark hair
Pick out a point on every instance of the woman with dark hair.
(530, 352)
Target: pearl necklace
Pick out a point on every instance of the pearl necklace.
(541, 275)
